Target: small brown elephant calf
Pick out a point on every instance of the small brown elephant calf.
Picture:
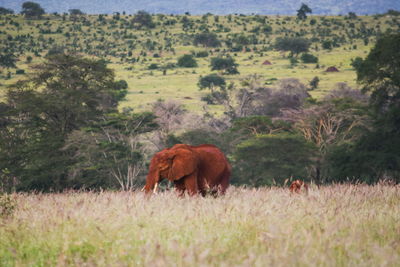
(297, 186)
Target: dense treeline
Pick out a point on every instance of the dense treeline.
(60, 128)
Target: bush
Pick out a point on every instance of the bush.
(309, 58)
(271, 159)
(153, 66)
(20, 72)
(187, 61)
(227, 65)
(202, 54)
(211, 80)
(206, 39)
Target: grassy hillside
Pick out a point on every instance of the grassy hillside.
(344, 225)
(130, 51)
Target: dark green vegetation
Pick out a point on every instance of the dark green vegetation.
(62, 124)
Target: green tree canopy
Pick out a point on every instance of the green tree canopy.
(64, 94)
(225, 64)
(187, 61)
(211, 80)
(302, 11)
(32, 10)
(142, 19)
(295, 45)
(206, 39)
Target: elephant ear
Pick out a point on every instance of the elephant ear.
(184, 163)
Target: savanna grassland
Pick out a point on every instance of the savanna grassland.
(249, 40)
(337, 225)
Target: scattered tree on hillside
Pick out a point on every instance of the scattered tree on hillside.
(295, 45)
(302, 12)
(187, 61)
(225, 64)
(7, 60)
(142, 19)
(32, 10)
(206, 39)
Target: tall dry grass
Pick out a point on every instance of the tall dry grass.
(340, 225)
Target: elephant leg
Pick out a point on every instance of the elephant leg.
(191, 184)
(180, 187)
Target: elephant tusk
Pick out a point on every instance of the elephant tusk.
(155, 188)
(141, 190)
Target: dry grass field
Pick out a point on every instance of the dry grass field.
(338, 225)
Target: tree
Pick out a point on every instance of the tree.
(6, 11)
(75, 12)
(302, 12)
(377, 153)
(7, 60)
(270, 159)
(211, 81)
(142, 19)
(64, 94)
(314, 83)
(109, 153)
(329, 124)
(309, 58)
(32, 10)
(187, 61)
(226, 65)
(206, 39)
(295, 45)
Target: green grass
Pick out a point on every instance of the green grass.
(339, 225)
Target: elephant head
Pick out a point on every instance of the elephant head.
(172, 164)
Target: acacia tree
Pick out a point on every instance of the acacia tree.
(295, 45)
(32, 10)
(302, 11)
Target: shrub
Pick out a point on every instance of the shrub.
(210, 81)
(153, 66)
(187, 61)
(202, 54)
(309, 58)
(20, 72)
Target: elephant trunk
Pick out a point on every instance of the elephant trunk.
(152, 179)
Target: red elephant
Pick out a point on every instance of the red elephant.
(196, 169)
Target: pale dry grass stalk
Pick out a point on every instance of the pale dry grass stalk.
(339, 225)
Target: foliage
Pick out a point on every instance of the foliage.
(302, 12)
(142, 19)
(75, 12)
(376, 154)
(356, 62)
(7, 60)
(227, 65)
(314, 83)
(206, 39)
(210, 81)
(187, 61)
(32, 10)
(6, 11)
(295, 45)
(271, 159)
(308, 58)
(63, 95)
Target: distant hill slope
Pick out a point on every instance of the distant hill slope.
(214, 6)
